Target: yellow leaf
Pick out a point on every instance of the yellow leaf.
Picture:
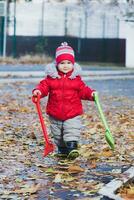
(130, 192)
(33, 189)
(75, 169)
(106, 153)
(61, 178)
(24, 109)
(58, 178)
(49, 170)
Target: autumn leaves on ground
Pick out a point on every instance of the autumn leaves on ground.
(25, 174)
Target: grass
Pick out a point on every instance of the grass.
(44, 59)
(26, 59)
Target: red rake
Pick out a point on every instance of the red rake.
(49, 147)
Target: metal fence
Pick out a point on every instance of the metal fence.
(40, 27)
(60, 20)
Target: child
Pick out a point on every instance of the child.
(65, 90)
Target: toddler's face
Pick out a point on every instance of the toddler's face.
(65, 66)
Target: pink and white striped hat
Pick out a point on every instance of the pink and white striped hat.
(64, 52)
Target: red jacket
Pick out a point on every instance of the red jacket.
(65, 95)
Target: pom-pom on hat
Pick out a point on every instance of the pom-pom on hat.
(64, 52)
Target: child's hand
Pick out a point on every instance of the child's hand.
(93, 94)
(36, 93)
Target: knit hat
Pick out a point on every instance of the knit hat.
(64, 52)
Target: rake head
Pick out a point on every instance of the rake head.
(49, 148)
(109, 139)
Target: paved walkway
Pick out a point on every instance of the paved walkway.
(29, 72)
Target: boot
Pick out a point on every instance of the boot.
(72, 147)
(62, 151)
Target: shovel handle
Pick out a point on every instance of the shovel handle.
(108, 135)
(96, 98)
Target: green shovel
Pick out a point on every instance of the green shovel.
(108, 135)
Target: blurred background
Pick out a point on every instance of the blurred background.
(102, 35)
(100, 31)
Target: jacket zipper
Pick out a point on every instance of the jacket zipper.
(64, 76)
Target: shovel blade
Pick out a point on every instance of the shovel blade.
(49, 148)
(109, 139)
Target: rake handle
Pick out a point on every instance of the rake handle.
(36, 100)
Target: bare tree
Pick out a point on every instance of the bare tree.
(121, 8)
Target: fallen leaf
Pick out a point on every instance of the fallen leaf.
(60, 178)
(75, 169)
(106, 153)
(33, 189)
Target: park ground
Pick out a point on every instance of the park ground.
(25, 174)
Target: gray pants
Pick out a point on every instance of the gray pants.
(64, 131)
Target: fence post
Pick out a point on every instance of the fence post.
(118, 28)
(5, 31)
(14, 31)
(42, 17)
(86, 17)
(103, 36)
(79, 36)
(103, 25)
(66, 14)
(1, 34)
